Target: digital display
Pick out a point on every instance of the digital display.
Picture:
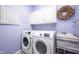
(46, 35)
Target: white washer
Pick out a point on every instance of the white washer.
(44, 42)
(27, 42)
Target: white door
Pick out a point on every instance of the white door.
(41, 46)
(26, 42)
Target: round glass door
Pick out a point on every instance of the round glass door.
(25, 41)
(41, 47)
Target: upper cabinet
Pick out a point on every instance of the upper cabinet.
(44, 15)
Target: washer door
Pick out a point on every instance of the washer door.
(26, 42)
(41, 46)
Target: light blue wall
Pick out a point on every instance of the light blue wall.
(76, 26)
(10, 35)
(44, 27)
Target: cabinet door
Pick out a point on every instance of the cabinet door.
(9, 15)
(43, 16)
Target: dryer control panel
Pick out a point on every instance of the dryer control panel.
(47, 34)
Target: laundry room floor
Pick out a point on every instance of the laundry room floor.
(20, 52)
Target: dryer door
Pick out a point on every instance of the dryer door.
(26, 41)
(41, 46)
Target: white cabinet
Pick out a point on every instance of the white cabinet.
(9, 15)
(44, 15)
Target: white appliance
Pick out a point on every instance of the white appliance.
(44, 15)
(27, 42)
(44, 42)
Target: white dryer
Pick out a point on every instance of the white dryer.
(44, 42)
(27, 42)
